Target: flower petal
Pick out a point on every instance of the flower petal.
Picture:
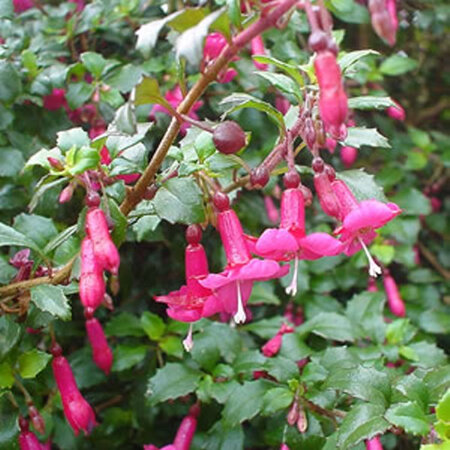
(316, 245)
(276, 243)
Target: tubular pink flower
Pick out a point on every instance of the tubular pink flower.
(27, 439)
(391, 6)
(395, 302)
(273, 345)
(104, 249)
(233, 286)
(214, 44)
(374, 444)
(257, 45)
(101, 352)
(77, 410)
(174, 98)
(327, 198)
(92, 284)
(284, 447)
(346, 199)
(185, 433)
(383, 22)
(271, 210)
(396, 112)
(282, 104)
(348, 156)
(55, 100)
(22, 5)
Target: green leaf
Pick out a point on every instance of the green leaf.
(10, 84)
(282, 368)
(362, 184)
(283, 83)
(364, 421)
(294, 347)
(120, 223)
(413, 388)
(361, 382)
(437, 382)
(443, 408)
(80, 159)
(6, 376)
(397, 65)
(276, 399)
(408, 416)
(330, 326)
(370, 102)
(435, 321)
(245, 402)
(289, 69)
(412, 201)
(75, 137)
(79, 93)
(40, 158)
(10, 333)
(40, 229)
(52, 300)
(9, 236)
(33, 362)
(94, 63)
(147, 91)
(124, 324)
(127, 356)
(172, 381)
(359, 136)
(263, 294)
(153, 325)
(428, 354)
(11, 162)
(179, 200)
(6, 9)
(347, 60)
(234, 12)
(172, 345)
(223, 437)
(239, 101)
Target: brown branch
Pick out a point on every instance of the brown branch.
(433, 261)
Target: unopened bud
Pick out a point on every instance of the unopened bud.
(293, 413)
(259, 177)
(36, 419)
(55, 163)
(229, 137)
(66, 194)
(302, 421)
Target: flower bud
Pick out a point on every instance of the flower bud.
(271, 210)
(55, 163)
(185, 433)
(348, 156)
(257, 45)
(327, 198)
(101, 352)
(302, 421)
(259, 177)
(318, 41)
(36, 419)
(66, 194)
(293, 413)
(374, 444)
(27, 439)
(229, 137)
(272, 346)
(396, 112)
(395, 302)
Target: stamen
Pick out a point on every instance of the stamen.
(188, 342)
(374, 268)
(240, 316)
(292, 288)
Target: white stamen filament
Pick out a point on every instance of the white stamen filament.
(374, 268)
(240, 316)
(188, 342)
(292, 288)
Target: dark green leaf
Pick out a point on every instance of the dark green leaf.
(127, 356)
(9, 236)
(94, 63)
(40, 229)
(370, 102)
(362, 184)
(153, 325)
(412, 201)
(51, 299)
(124, 324)
(330, 326)
(10, 84)
(408, 416)
(282, 82)
(10, 333)
(11, 162)
(276, 399)
(359, 136)
(79, 93)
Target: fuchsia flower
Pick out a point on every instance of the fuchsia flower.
(384, 19)
(55, 100)
(102, 354)
(77, 410)
(348, 156)
(374, 444)
(391, 6)
(284, 447)
(192, 301)
(396, 112)
(282, 104)
(22, 5)
(290, 241)
(273, 345)
(272, 212)
(27, 439)
(257, 45)
(233, 286)
(395, 301)
(333, 103)
(174, 98)
(105, 251)
(92, 284)
(214, 44)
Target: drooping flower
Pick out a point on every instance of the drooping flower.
(348, 156)
(192, 301)
(396, 112)
(105, 251)
(36, 419)
(233, 286)
(273, 345)
(395, 301)
(22, 5)
(257, 45)
(92, 284)
(214, 44)
(384, 22)
(271, 210)
(282, 104)
(101, 352)
(27, 439)
(55, 100)
(290, 241)
(77, 410)
(174, 98)
(374, 444)
(333, 103)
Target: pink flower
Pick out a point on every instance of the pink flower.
(372, 285)
(374, 444)
(233, 286)
(66, 194)
(395, 302)
(333, 104)
(174, 98)
(271, 210)
(284, 447)
(105, 251)
(55, 100)
(391, 6)
(273, 345)
(22, 5)
(282, 104)
(331, 144)
(77, 410)
(396, 112)
(384, 20)
(83, 114)
(92, 284)
(348, 156)
(27, 439)
(214, 44)
(327, 198)
(80, 4)
(101, 352)
(290, 241)
(257, 45)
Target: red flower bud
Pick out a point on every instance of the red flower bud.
(185, 433)
(395, 302)
(36, 419)
(101, 352)
(374, 444)
(229, 137)
(66, 194)
(272, 346)
(348, 156)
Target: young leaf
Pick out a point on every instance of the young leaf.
(289, 69)
(32, 362)
(94, 63)
(10, 333)
(9, 236)
(347, 60)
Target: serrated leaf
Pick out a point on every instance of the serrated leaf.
(239, 101)
(124, 324)
(413, 388)
(75, 137)
(370, 102)
(359, 136)
(172, 381)
(362, 184)
(94, 63)
(282, 82)
(330, 326)
(79, 93)
(179, 200)
(245, 402)
(408, 416)
(364, 421)
(32, 362)
(51, 299)
(412, 201)
(276, 399)
(40, 158)
(40, 229)
(9, 236)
